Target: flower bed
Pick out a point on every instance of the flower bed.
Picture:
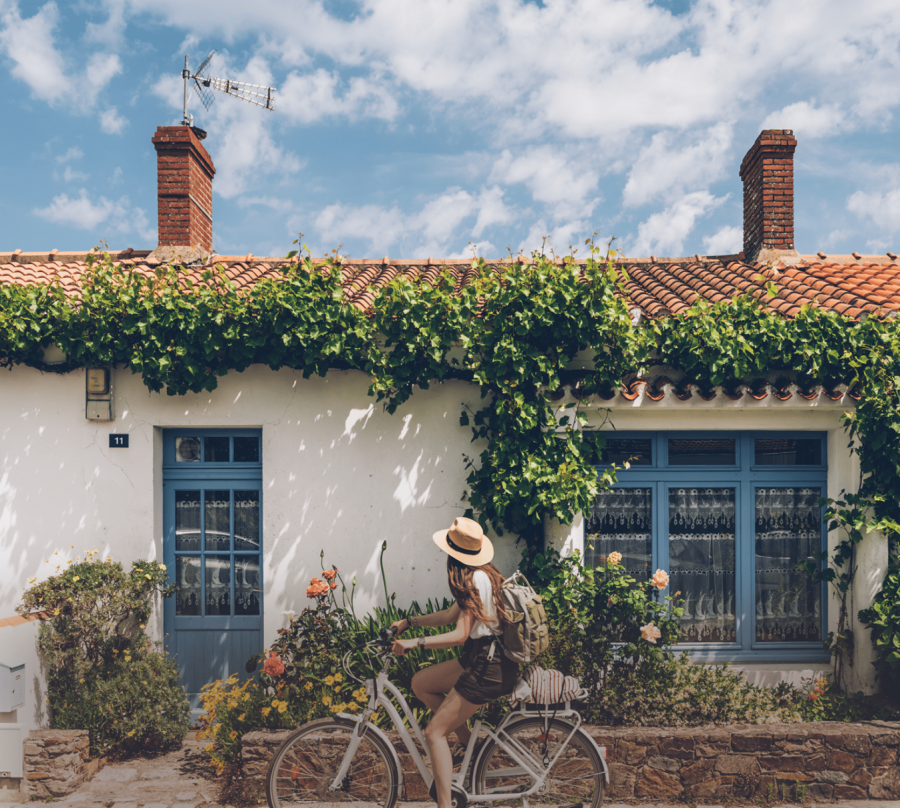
(817, 761)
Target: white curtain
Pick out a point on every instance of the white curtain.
(788, 531)
(702, 561)
(621, 521)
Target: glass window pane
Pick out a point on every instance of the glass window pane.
(187, 450)
(246, 450)
(637, 451)
(246, 520)
(246, 585)
(621, 521)
(701, 452)
(218, 585)
(187, 585)
(218, 520)
(788, 452)
(187, 520)
(788, 531)
(217, 450)
(702, 561)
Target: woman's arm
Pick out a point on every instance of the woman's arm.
(452, 638)
(442, 618)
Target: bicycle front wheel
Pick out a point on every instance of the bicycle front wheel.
(305, 765)
(576, 777)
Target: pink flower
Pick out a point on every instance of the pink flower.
(614, 558)
(650, 633)
(660, 579)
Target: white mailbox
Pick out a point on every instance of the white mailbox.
(12, 687)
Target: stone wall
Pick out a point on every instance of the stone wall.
(824, 761)
(56, 762)
(820, 761)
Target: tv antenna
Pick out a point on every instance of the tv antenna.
(257, 94)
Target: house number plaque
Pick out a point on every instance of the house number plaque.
(118, 441)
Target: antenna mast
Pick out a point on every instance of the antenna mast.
(257, 94)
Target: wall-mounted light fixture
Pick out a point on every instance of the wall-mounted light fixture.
(98, 393)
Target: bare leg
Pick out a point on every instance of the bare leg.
(431, 686)
(453, 712)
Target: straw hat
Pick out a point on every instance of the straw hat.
(466, 542)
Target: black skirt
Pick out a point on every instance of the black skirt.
(484, 680)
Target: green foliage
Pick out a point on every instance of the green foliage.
(512, 332)
(883, 619)
(103, 674)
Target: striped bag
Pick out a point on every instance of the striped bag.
(540, 686)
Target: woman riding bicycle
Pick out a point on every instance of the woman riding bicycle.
(456, 689)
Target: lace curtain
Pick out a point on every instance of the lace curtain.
(621, 521)
(788, 531)
(702, 561)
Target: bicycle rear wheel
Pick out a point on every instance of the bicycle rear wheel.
(576, 777)
(305, 765)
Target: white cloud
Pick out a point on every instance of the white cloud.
(104, 217)
(434, 229)
(558, 180)
(808, 120)
(29, 45)
(725, 241)
(71, 174)
(72, 153)
(661, 168)
(109, 33)
(310, 97)
(111, 122)
(101, 68)
(883, 209)
(664, 233)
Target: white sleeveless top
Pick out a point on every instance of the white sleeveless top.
(486, 593)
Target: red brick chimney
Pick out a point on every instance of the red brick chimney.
(768, 174)
(184, 172)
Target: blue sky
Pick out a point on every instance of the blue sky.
(412, 128)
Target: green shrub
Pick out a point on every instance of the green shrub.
(883, 620)
(103, 674)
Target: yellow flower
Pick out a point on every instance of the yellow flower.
(337, 689)
(242, 717)
(265, 711)
(339, 677)
(308, 685)
(282, 707)
(129, 734)
(233, 734)
(147, 576)
(326, 700)
(352, 706)
(32, 580)
(329, 680)
(81, 680)
(336, 708)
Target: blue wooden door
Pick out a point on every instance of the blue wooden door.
(213, 550)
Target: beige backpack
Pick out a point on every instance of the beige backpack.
(527, 634)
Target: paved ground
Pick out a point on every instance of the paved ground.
(180, 780)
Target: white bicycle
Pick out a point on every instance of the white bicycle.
(540, 755)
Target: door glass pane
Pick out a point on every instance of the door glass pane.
(702, 561)
(788, 452)
(637, 451)
(218, 520)
(187, 450)
(701, 452)
(246, 450)
(246, 585)
(621, 521)
(246, 520)
(788, 531)
(187, 585)
(216, 449)
(187, 520)
(218, 585)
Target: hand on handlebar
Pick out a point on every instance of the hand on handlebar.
(399, 626)
(400, 647)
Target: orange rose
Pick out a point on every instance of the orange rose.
(273, 665)
(333, 585)
(329, 575)
(660, 579)
(614, 558)
(316, 588)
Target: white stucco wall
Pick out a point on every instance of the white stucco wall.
(339, 474)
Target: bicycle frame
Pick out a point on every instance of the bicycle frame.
(380, 689)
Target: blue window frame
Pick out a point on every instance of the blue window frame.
(728, 515)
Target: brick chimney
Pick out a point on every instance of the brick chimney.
(184, 172)
(768, 175)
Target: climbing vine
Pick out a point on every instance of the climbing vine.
(514, 333)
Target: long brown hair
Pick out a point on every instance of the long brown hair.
(463, 588)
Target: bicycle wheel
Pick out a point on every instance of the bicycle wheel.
(576, 777)
(305, 765)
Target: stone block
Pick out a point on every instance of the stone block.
(852, 740)
(630, 753)
(815, 791)
(678, 746)
(69, 761)
(31, 748)
(841, 761)
(655, 783)
(886, 786)
(737, 764)
(752, 743)
(883, 756)
(782, 763)
(621, 780)
(844, 791)
(705, 788)
(712, 750)
(831, 777)
(664, 763)
(697, 772)
(794, 777)
(37, 776)
(861, 778)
